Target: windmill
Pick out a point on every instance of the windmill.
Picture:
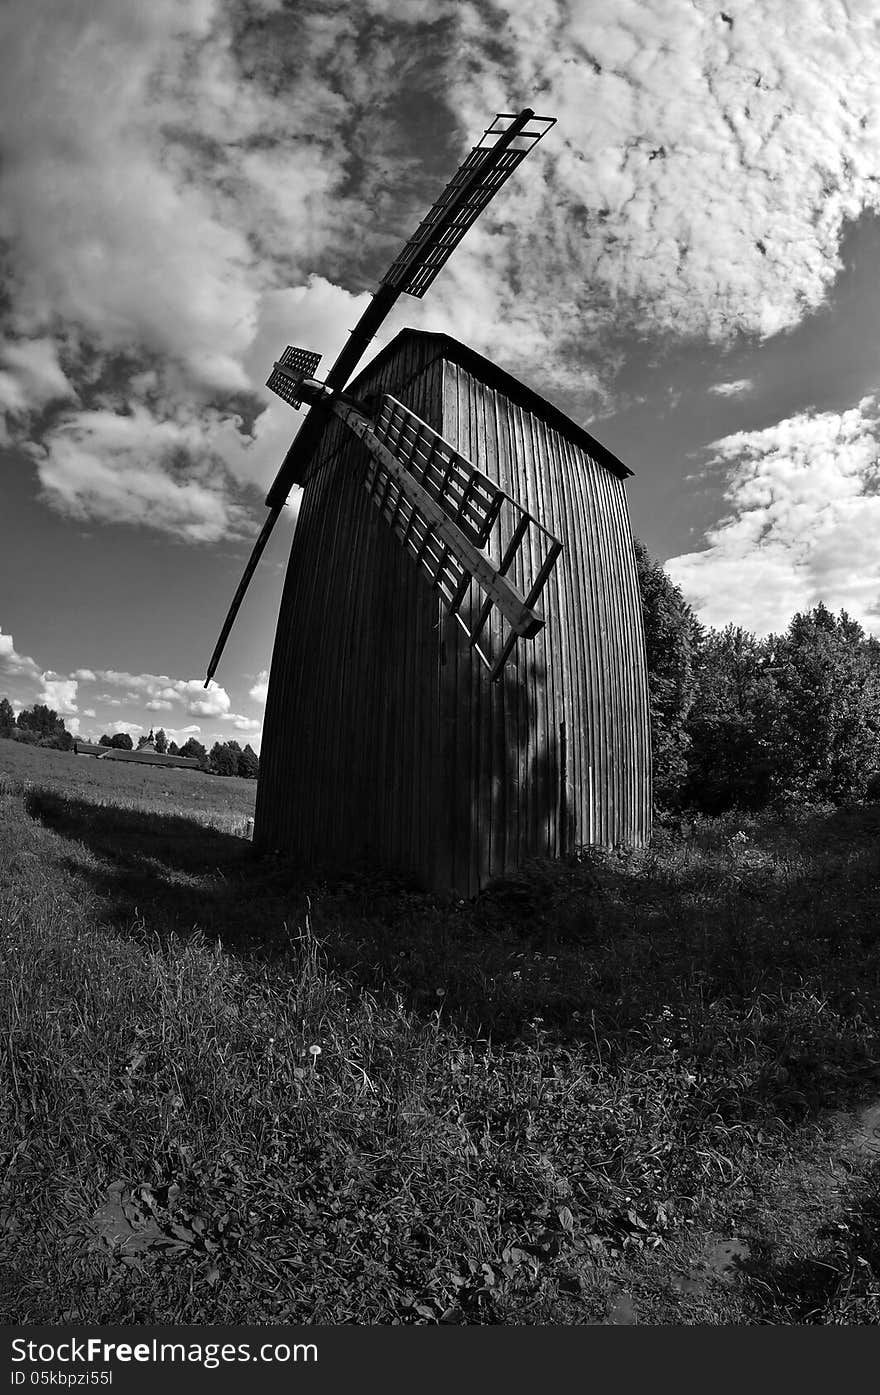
(433, 499)
(458, 681)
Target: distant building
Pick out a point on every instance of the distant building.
(147, 755)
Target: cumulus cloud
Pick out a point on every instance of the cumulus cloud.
(700, 174)
(132, 728)
(138, 470)
(158, 692)
(59, 693)
(260, 689)
(15, 665)
(803, 517)
(158, 180)
(31, 375)
(732, 389)
(242, 723)
(184, 190)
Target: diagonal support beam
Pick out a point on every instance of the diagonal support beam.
(523, 619)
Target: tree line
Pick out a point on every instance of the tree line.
(41, 726)
(743, 722)
(736, 721)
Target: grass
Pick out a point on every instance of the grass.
(620, 1088)
(225, 803)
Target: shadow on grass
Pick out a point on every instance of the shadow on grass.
(699, 959)
(838, 1285)
(171, 873)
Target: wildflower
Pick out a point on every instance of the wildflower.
(441, 992)
(314, 1052)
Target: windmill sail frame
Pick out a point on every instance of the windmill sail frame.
(443, 511)
(488, 166)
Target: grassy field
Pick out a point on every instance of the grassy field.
(621, 1089)
(221, 802)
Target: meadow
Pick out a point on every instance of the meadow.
(625, 1088)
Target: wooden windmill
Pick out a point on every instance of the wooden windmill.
(458, 681)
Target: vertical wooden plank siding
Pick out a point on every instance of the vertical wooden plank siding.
(584, 672)
(384, 739)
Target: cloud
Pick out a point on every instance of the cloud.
(161, 693)
(136, 469)
(84, 675)
(89, 712)
(15, 665)
(133, 728)
(31, 375)
(242, 723)
(699, 177)
(732, 389)
(803, 500)
(107, 231)
(59, 693)
(185, 189)
(160, 181)
(202, 702)
(260, 689)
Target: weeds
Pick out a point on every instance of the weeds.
(237, 1094)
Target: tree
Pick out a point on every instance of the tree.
(7, 718)
(223, 760)
(193, 750)
(172, 747)
(142, 741)
(828, 722)
(106, 740)
(671, 633)
(42, 720)
(42, 726)
(733, 759)
(249, 764)
(121, 741)
(161, 741)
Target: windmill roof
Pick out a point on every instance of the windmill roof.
(495, 377)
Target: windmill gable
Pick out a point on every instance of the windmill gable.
(384, 738)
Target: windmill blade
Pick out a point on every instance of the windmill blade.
(293, 366)
(504, 145)
(259, 545)
(445, 511)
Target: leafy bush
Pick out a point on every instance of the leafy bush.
(732, 760)
(671, 633)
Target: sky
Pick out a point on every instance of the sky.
(687, 265)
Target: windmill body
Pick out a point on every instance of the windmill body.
(389, 735)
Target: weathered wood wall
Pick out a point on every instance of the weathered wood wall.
(384, 739)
